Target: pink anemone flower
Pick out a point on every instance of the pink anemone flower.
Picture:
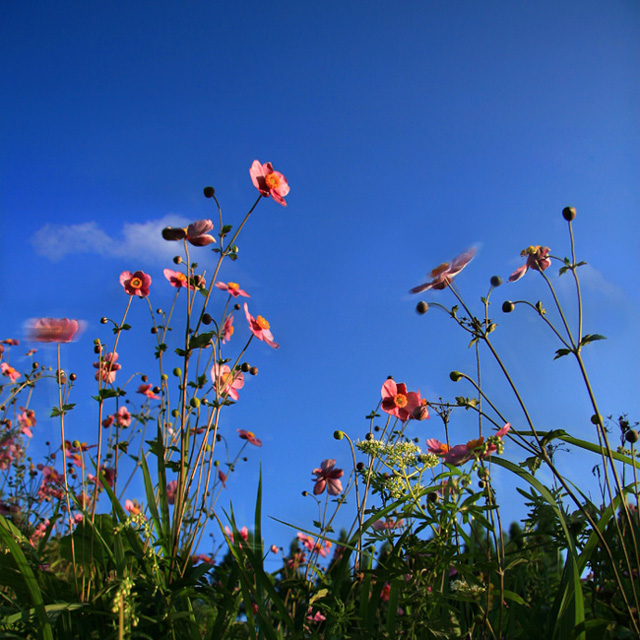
(250, 437)
(225, 381)
(232, 288)
(122, 417)
(147, 390)
(327, 476)
(107, 368)
(443, 274)
(198, 233)
(227, 329)
(177, 279)
(136, 283)
(399, 402)
(537, 259)
(53, 329)
(9, 371)
(26, 420)
(260, 328)
(269, 182)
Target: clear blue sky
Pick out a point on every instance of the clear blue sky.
(407, 131)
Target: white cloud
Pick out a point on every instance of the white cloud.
(142, 239)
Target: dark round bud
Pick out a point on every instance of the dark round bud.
(144, 378)
(631, 436)
(422, 307)
(154, 330)
(104, 320)
(455, 376)
(495, 281)
(177, 260)
(207, 319)
(73, 377)
(432, 496)
(360, 466)
(305, 493)
(156, 389)
(236, 306)
(218, 438)
(482, 484)
(369, 436)
(508, 306)
(159, 311)
(338, 435)
(245, 366)
(569, 213)
(174, 233)
(245, 459)
(209, 192)
(376, 428)
(595, 419)
(35, 365)
(253, 371)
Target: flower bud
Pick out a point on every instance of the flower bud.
(177, 372)
(194, 402)
(174, 233)
(73, 377)
(508, 306)
(177, 260)
(596, 419)
(569, 213)
(360, 466)
(104, 320)
(253, 371)
(368, 436)
(338, 435)
(455, 376)
(631, 436)
(154, 330)
(495, 281)
(144, 378)
(164, 377)
(245, 366)
(175, 413)
(422, 307)
(305, 494)
(209, 192)
(157, 389)
(236, 307)
(207, 319)
(432, 496)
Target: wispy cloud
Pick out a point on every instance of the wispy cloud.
(142, 239)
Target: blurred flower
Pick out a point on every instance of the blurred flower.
(386, 591)
(536, 259)
(233, 289)
(107, 368)
(133, 507)
(388, 524)
(136, 284)
(461, 453)
(202, 557)
(53, 329)
(274, 548)
(307, 541)
(108, 421)
(317, 617)
(225, 381)
(122, 417)
(227, 329)
(9, 371)
(250, 436)
(197, 233)
(12, 342)
(328, 476)
(177, 279)
(421, 412)
(147, 390)
(397, 401)
(269, 182)
(244, 533)
(437, 447)
(223, 478)
(442, 275)
(26, 420)
(172, 488)
(260, 328)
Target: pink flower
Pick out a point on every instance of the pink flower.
(274, 548)
(197, 233)
(397, 401)
(133, 507)
(53, 329)
(177, 279)
(26, 420)
(147, 390)
(328, 476)
(249, 436)
(269, 182)
(421, 412)
(244, 533)
(387, 525)
(537, 259)
(108, 421)
(233, 289)
(12, 342)
(136, 284)
(317, 617)
(202, 557)
(9, 371)
(122, 417)
(442, 275)
(437, 447)
(307, 541)
(260, 328)
(107, 368)
(225, 381)
(227, 329)
(386, 592)
(223, 478)
(172, 488)
(461, 453)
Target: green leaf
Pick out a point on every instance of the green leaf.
(561, 353)
(591, 338)
(103, 394)
(199, 341)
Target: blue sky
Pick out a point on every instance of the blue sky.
(408, 132)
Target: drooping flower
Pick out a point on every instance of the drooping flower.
(397, 401)
(421, 412)
(9, 371)
(269, 182)
(232, 288)
(53, 329)
(198, 233)
(136, 283)
(260, 328)
(177, 279)
(227, 329)
(443, 274)
(147, 390)
(250, 437)
(223, 478)
(225, 381)
(172, 488)
(537, 259)
(327, 476)
(107, 368)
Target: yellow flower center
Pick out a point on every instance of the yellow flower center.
(250, 434)
(180, 277)
(233, 285)
(441, 268)
(530, 250)
(262, 323)
(400, 400)
(273, 180)
(136, 283)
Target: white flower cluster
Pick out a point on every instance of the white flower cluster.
(400, 454)
(464, 588)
